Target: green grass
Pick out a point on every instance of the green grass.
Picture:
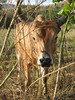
(3, 34)
(8, 56)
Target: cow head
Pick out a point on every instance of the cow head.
(45, 37)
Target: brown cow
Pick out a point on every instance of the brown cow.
(36, 44)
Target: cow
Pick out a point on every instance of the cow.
(36, 44)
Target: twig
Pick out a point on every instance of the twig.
(50, 74)
(4, 22)
(9, 29)
(57, 79)
(1, 18)
(2, 83)
(22, 28)
(60, 54)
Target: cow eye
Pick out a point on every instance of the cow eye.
(56, 38)
(33, 38)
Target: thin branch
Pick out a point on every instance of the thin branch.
(1, 18)
(22, 28)
(60, 55)
(9, 29)
(50, 74)
(4, 22)
(2, 83)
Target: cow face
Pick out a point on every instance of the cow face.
(45, 37)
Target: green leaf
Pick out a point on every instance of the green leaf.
(71, 1)
(57, 0)
(60, 12)
(66, 9)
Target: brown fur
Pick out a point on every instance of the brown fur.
(31, 39)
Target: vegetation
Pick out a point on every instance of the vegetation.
(66, 85)
(66, 78)
(49, 12)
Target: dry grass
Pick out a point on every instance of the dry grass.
(14, 90)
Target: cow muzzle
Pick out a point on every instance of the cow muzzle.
(45, 61)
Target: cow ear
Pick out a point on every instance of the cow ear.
(40, 18)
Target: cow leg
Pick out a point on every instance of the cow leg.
(45, 81)
(43, 71)
(19, 74)
(40, 84)
(27, 74)
(19, 66)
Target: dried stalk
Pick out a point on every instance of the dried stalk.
(69, 65)
(1, 84)
(60, 54)
(22, 28)
(60, 57)
(4, 22)
(9, 29)
(1, 18)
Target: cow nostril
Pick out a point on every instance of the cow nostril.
(45, 62)
(42, 59)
